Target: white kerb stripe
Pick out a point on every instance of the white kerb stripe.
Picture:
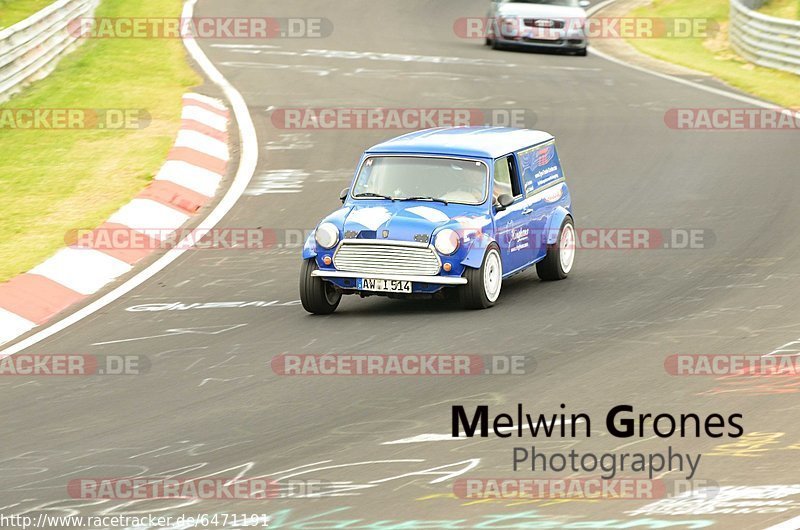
(190, 176)
(217, 104)
(13, 325)
(203, 143)
(82, 270)
(146, 215)
(205, 116)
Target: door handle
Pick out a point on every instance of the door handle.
(527, 211)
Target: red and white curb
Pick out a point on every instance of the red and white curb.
(188, 180)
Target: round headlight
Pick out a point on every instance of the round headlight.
(327, 235)
(446, 242)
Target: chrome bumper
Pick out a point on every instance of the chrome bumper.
(441, 280)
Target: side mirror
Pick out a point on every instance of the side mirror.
(584, 3)
(343, 194)
(504, 201)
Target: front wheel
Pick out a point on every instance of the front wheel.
(560, 255)
(483, 285)
(317, 296)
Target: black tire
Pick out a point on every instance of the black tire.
(582, 53)
(488, 41)
(551, 267)
(318, 296)
(473, 295)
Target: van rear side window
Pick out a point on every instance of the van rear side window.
(539, 167)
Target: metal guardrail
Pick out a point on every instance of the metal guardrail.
(30, 49)
(763, 40)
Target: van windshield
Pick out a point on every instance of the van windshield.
(422, 178)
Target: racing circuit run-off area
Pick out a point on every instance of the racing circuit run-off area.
(399, 265)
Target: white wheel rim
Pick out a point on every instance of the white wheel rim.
(492, 276)
(566, 249)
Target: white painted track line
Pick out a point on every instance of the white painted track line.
(436, 437)
(716, 91)
(247, 166)
(791, 524)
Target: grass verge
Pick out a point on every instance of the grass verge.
(782, 9)
(713, 54)
(52, 181)
(12, 11)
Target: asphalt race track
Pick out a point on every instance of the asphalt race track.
(212, 405)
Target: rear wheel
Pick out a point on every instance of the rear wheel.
(483, 285)
(317, 296)
(560, 255)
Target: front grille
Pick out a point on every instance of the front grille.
(557, 24)
(544, 41)
(386, 258)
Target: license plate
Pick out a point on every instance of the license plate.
(544, 34)
(387, 286)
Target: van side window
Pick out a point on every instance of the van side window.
(505, 178)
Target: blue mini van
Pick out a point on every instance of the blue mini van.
(439, 211)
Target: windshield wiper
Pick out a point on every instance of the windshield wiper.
(376, 195)
(424, 198)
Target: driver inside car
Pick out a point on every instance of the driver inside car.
(468, 186)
